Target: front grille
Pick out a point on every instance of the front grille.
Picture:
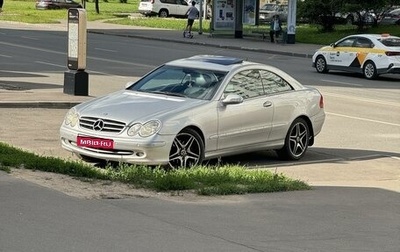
(106, 125)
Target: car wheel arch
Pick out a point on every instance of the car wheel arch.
(197, 129)
(310, 128)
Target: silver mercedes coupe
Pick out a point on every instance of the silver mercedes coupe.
(194, 109)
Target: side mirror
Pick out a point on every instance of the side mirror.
(232, 99)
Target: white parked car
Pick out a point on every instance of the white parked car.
(164, 8)
(193, 109)
(368, 54)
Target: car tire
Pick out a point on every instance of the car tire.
(187, 150)
(163, 13)
(369, 70)
(296, 141)
(320, 65)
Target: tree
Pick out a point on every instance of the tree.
(96, 4)
(359, 12)
(322, 12)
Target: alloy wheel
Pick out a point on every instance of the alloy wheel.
(187, 150)
(320, 65)
(370, 70)
(298, 139)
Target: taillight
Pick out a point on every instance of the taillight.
(392, 53)
(321, 101)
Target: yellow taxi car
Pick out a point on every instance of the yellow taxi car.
(368, 54)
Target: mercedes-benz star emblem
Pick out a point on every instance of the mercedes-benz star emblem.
(98, 125)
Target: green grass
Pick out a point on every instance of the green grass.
(24, 11)
(224, 180)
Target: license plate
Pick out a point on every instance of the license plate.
(98, 143)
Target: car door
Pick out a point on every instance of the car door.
(340, 56)
(361, 49)
(249, 122)
(283, 101)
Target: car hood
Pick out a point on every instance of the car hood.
(127, 106)
(325, 48)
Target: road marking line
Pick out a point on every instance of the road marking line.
(106, 50)
(364, 119)
(50, 64)
(341, 82)
(31, 38)
(5, 56)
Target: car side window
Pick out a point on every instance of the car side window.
(346, 43)
(274, 83)
(246, 83)
(363, 43)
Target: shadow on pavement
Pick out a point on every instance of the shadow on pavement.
(314, 155)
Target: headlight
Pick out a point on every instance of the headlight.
(149, 128)
(71, 118)
(134, 129)
(144, 130)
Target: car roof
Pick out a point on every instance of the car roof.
(226, 64)
(373, 36)
(214, 62)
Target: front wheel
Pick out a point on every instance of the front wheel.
(320, 65)
(370, 71)
(296, 141)
(187, 150)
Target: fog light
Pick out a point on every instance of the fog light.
(140, 154)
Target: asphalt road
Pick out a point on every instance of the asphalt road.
(358, 150)
(34, 218)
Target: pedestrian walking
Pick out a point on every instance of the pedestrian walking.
(192, 14)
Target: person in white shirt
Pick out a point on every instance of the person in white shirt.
(192, 14)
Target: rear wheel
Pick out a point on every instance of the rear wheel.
(296, 141)
(163, 13)
(187, 150)
(320, 65)
(370, 71)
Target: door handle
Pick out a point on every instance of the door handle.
(267, 104)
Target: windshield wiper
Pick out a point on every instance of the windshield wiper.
(167, 93)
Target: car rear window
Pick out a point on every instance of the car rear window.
(391, 42)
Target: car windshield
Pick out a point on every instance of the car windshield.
(268, 7)
(180, 81)
(391, 42)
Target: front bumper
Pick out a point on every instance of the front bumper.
(148, 151)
